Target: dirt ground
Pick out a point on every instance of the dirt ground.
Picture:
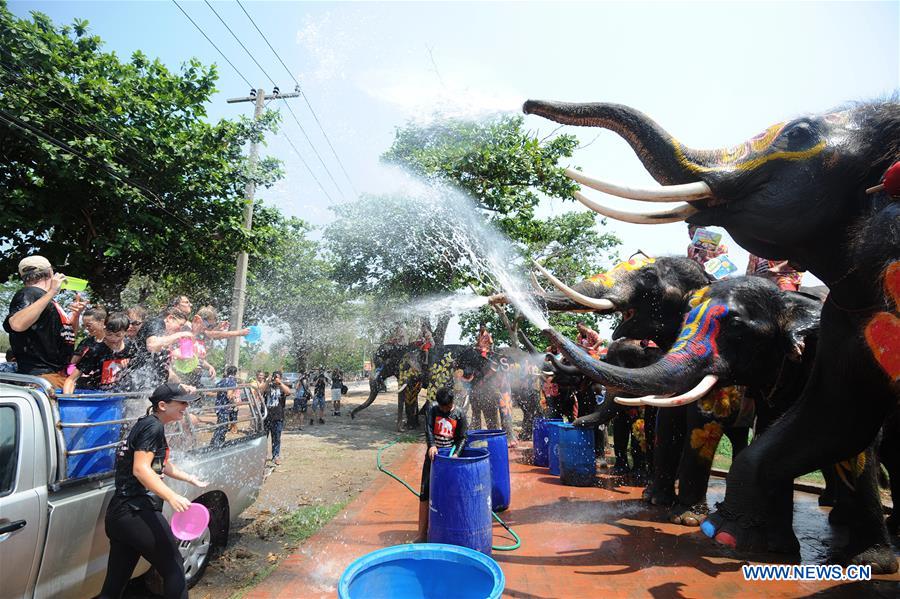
(323, 466)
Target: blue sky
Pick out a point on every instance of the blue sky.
(713, 74)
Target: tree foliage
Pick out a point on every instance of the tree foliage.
(146, 187)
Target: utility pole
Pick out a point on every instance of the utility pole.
(232, 349)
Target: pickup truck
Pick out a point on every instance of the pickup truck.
(52, 537)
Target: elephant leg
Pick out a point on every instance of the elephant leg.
(868, 542)
(649, 436)
(828, 498)
(621, 433)
(401, 402)
(737, 435)
(889, 453)
(756, 515)
(412, 407)
(698, 451)
(670, 427)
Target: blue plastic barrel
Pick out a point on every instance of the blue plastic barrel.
(539, 436)
(90, 409)
(460, 504)
(577, 463)
(553, 446)
(494, 440)
(422, 571)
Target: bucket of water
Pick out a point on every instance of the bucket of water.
(494, 440)
(539, 437)
(190, 524)
(577, 464)
(460, 505)
(422, 571)
(254, 335)
(90, 410)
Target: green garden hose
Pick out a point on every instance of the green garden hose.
(518, 542)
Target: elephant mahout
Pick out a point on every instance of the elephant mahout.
(798, 191)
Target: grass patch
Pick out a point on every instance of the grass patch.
(303, 523)
(723, 457)
(255, 580)
(295, 527)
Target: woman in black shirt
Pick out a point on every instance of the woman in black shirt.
(134, 522)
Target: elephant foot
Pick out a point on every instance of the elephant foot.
(840, 515)
(663, 498)
(689, 515)
(880, 557)
(893, 523)
(748, 532)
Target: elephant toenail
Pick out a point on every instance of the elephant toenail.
(708, 529)
(724, 538)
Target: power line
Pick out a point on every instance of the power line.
(222, 54)
(80, 114)
(250, 54)
(28, 128)
(305, 99)
(300, 156)
(272, 81)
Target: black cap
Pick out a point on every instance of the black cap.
(171, 392)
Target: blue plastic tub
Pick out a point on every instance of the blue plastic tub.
(577, 463)
(422, 571)
(460, 504)
(91, 409)
(540, 438)
(553, 446)
(494, 440)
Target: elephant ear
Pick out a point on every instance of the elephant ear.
(800, 323)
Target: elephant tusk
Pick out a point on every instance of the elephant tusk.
(603, 305)
(687, 192)
(628, 401)
(875, 189)
(650, 218)
(702, 388)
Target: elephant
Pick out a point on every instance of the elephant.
(490, 383)
(806, 191)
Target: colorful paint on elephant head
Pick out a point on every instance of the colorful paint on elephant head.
(723, 402)
(753, 153)
(883, 331)
(608, 278)
(698, 332)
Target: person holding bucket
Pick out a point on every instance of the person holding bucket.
(445, 426)
(134, 522)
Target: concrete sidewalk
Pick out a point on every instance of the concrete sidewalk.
(576, 542)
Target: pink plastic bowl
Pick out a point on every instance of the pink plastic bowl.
(190, 524)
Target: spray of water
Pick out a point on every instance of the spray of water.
(446, 218)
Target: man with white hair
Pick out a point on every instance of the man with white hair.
(41, 333)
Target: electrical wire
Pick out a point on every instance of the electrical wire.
(238, 40)
(303, 94)
(272, 81)
(222, 54)
(312, 174)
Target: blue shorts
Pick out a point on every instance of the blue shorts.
(318, 402)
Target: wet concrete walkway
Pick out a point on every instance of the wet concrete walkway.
(576, 542)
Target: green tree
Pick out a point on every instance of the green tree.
(145, 187)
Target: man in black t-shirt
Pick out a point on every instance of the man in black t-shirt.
(275, 393)
(150, 365)
(40, 332)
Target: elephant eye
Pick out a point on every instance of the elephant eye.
(799, 135)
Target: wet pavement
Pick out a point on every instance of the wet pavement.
(576, 542)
